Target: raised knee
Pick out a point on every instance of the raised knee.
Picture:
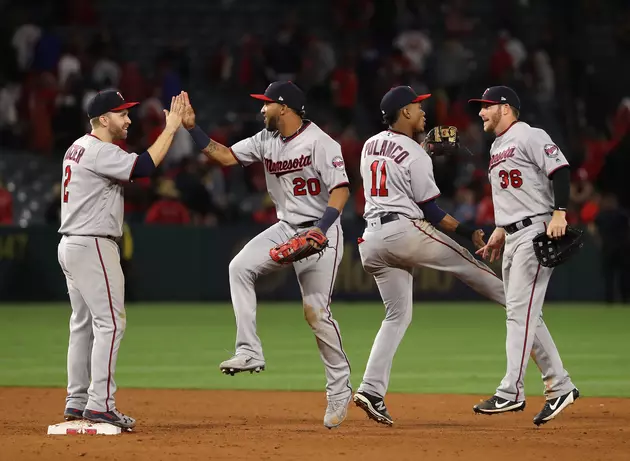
(238, 267)
(313, 314)
(121, 323)
(406, 317)
(399, 314)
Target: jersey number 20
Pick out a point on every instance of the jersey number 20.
(311, 185)
(68, 174)
(512, 177)
(379, 179)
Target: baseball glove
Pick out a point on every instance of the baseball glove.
(300, 246)
(442, 140)
(553, 252)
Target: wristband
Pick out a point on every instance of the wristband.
(328, 218)
(200, 138)
(465, 231)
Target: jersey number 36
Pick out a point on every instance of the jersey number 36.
(512, 177)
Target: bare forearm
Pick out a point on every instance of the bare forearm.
(161, 145)
(448, 223)
(211, 149)
(338, 198)
(499, 231)
(219, 153)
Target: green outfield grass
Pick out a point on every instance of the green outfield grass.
(449, 348)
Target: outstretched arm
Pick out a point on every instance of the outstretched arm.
(494, 245)
(212, 149)
(218, 152)
(438, 217)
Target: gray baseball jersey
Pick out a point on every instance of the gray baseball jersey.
(397, 175)
(92, 200)
(396, 164)
(521, 161)
(91, 209)
(300, 170)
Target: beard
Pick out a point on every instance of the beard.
(272, 123)
(492, 123)
(118, 132)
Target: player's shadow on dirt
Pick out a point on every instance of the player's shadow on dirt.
(158, 428)
(475, 426)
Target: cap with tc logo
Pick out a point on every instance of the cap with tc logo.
(499, 95)
(398, 97)
(286, 93)
(107, 101)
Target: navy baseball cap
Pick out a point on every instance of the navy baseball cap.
(286, 93)
(107, 101)
(499, 95)
(398, 97)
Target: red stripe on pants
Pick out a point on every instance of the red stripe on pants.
(332, 285)
(529, 311)
(455, 250)
(111, 310)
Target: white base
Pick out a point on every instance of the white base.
(84, 427)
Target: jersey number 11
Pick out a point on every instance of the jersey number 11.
(379, 184)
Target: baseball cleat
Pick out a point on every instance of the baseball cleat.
(336, 412)
(553, 407)
(374, 407)
(240, 363)
(496, 404)
(72, 414)
(114, 417)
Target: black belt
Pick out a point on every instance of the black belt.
(389, 217)
(302, 224)
(511, 228)
(109, 237)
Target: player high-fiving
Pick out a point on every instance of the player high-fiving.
(91, 223)
(306, 179)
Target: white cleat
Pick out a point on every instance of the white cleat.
(336, 412)
(240, 363)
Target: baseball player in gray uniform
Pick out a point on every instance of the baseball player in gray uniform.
(401, 216)
(307, 182)
(530, 191)
(91, 223)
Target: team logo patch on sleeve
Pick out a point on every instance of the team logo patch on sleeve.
(551, 150)
(338, 162)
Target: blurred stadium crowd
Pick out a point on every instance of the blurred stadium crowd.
(570, 66)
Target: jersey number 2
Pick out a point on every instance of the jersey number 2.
(379, 184)
(510, 177)
(68, 174)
